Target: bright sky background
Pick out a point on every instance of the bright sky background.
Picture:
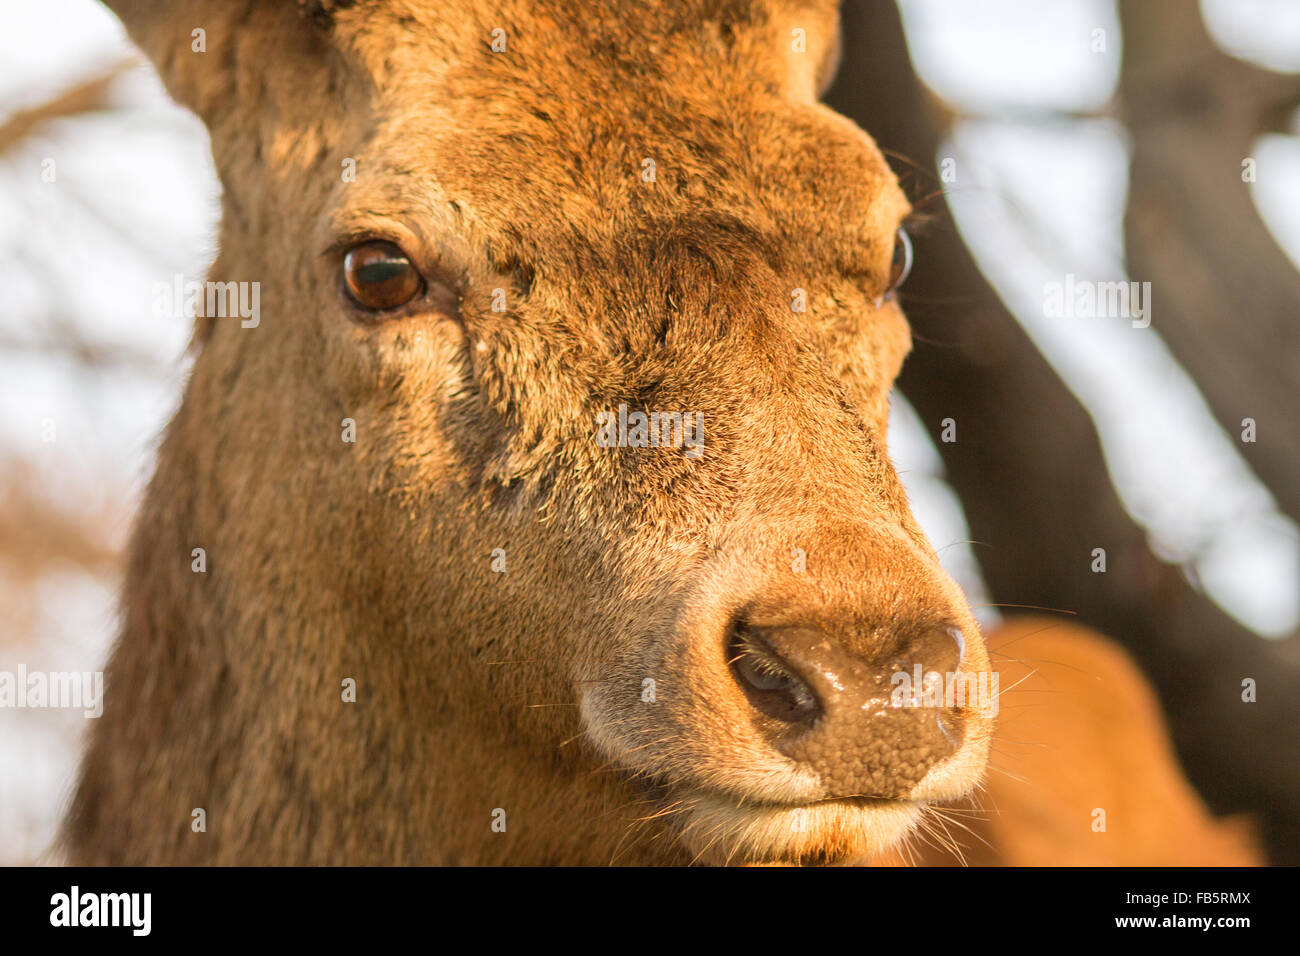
(1034, 202)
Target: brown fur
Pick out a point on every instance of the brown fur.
(372, 561)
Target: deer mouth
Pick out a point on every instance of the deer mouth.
(726, 827)
(721, 829)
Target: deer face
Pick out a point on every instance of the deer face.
(609, 310)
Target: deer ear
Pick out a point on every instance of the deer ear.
(200, 47)
(808, 33)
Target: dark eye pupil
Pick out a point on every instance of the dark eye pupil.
(382, 271)
(902, 264)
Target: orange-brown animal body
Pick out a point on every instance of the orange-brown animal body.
(439, 619)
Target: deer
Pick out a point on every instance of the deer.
(544, 514)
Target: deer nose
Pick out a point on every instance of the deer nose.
(869, 724)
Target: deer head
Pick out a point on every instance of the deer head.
(560, 433)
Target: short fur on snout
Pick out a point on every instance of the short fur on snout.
(674, 226)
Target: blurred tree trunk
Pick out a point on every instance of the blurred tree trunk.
(1029, 470)
(1226, 298)
(86, 97)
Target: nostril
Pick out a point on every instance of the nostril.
(771, 685)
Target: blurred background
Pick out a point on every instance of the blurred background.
(1144, 140)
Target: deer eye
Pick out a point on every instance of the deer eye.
(902, 263)
(378, 276)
